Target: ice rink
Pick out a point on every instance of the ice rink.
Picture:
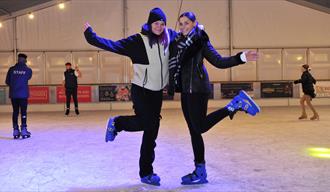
(268, 152)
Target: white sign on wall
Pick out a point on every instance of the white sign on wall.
(322, 89)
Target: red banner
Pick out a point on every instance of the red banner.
(84, 94)
(39, 95)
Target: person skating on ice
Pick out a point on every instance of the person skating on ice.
(17, 79)
(149, 53)
(188, 76)
(307, 82)
(70, 83)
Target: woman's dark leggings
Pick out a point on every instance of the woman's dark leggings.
(194, 107)
(147, 106)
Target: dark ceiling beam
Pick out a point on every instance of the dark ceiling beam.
(322, 6)
(4, 11)
(31, 9)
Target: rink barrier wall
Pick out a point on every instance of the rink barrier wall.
(117, 106)
(117, 96)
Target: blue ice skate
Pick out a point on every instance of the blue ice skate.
(24, 132)
(198, 176)
(16, 133)
(152, 179)
(243, 102)
(254, 109)
(111, 131)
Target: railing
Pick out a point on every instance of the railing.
(101, 67)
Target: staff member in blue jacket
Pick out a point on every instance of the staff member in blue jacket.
(17, 79)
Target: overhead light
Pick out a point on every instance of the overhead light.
(61, 6)
(0, 24)
(299, 58)
(31, 16)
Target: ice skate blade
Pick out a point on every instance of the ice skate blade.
(26, 136)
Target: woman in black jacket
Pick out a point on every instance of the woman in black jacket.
(149, 52)
(307, 81)
(189, 76)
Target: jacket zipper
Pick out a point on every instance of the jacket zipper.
(161, 65)
(200, 71)
(145, 80)
(191, 73)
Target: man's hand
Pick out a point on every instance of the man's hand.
(86, 26)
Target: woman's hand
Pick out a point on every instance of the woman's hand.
(86, 26)
(251, 55)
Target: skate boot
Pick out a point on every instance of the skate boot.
(242, 102)
(16, 133)
(303, 116)
(198, 176)
(111, 131)
(254, 109)
(24, 132)
(315, 117)
(152, 179)
(67, 111)
(77, 111)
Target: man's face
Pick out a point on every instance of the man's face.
(68, 67)
(21, 60)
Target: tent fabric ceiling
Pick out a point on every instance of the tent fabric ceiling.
(10, 6)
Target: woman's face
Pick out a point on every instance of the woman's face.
(157, 27)
(186, 25)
